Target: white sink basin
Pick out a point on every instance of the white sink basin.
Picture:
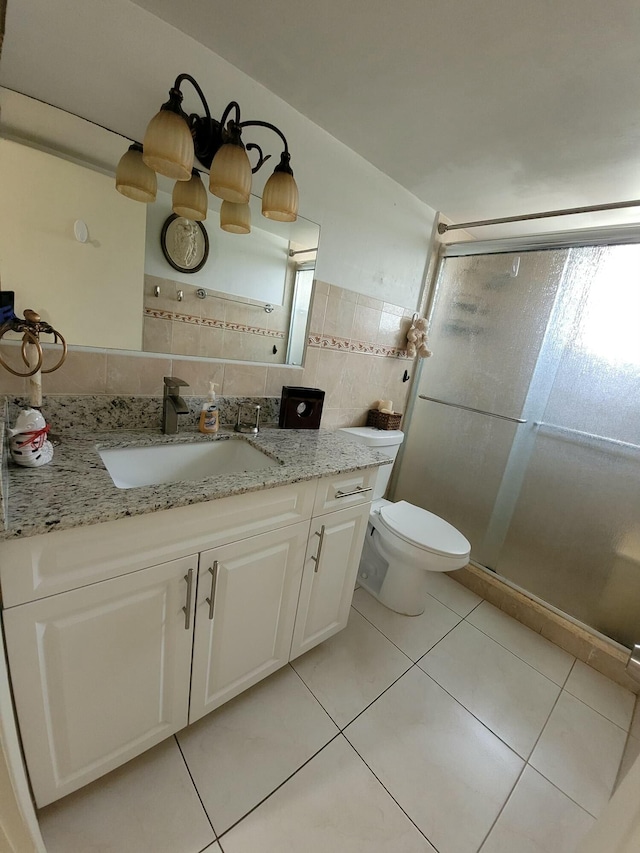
(173, 463)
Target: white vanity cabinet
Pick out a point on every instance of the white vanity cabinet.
(246, 609)
(331, 566)
(121, 633)
(101, 673)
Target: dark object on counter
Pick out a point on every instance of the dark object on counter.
(300, 408)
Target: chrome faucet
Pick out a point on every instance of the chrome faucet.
(172, 404)
(253, 428)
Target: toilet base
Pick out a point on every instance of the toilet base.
(404, 590)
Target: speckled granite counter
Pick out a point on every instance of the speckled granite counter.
(75, 489)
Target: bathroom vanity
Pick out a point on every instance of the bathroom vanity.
(144, 609)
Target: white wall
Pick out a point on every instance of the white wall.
(255, 268)
(49, 270)
(114, 63)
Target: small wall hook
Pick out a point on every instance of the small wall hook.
(80, 231)
(180, 295)
(405, 376)
(156, 290)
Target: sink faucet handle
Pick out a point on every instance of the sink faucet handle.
(174, 382)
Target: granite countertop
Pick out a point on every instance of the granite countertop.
(75, 489)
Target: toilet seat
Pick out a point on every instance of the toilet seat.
(423, 529)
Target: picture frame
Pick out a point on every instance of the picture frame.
(185, 243)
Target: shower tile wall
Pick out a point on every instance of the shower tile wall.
(356, 355)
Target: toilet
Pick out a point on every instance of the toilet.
(403, 541)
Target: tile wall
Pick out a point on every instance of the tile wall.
(214, 327)
(355, 354)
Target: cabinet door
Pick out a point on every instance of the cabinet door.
(246, 606)
(101, 674)
(333, 555)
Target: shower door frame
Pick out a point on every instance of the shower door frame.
(575, 239)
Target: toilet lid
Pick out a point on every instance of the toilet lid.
(424, 529)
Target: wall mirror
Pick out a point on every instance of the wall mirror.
(115, 289)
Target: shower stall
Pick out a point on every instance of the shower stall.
(525, 427)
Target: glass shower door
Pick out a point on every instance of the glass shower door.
(574, 534)
(526, 431)
(487, 330)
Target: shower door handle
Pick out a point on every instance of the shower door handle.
(471, 409)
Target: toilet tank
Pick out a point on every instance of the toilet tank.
(385, 441)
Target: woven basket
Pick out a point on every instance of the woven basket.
(382, 420)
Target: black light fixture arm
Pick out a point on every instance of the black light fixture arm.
(176, 88)
(285, 157)
(271, 127)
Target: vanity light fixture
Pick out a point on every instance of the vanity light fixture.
(173, 140)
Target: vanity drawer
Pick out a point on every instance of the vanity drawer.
(343, 490)
(38, 566)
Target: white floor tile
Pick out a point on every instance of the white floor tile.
(600, 693)
(451, 593)
(334, 803)
(449, 772)
(580, 752)
(538, 819)
(147, 806)
(241, 752)
(630, 755)
(537, 651)
(352, 669)
(414, 635)
(501, 690)
(635, 724)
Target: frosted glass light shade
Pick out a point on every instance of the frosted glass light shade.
(280, 198)
(134, 179)
(190, 199)
(235, 218)
(168, 146)
(230, 174)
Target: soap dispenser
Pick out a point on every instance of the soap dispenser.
(210, 416)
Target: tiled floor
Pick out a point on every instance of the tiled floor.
(456, 731)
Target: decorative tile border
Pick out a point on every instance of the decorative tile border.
(347, 345)
(211, 323)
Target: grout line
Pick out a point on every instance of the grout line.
(195, 787)
(373, 773)
(471, 714)
(564, 793)
(397, 646)
(595, 711)
(504, 805)
(517, 657)
(527, 764)
(482, 631)
(277, 788)
(313, 694)
(342, 728)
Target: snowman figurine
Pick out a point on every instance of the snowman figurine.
(28, 440)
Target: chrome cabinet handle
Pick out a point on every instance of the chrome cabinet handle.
(213, 571)
(358, 491)
(187, 608)
(316, 559)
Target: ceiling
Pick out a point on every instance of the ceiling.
(479, 109)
